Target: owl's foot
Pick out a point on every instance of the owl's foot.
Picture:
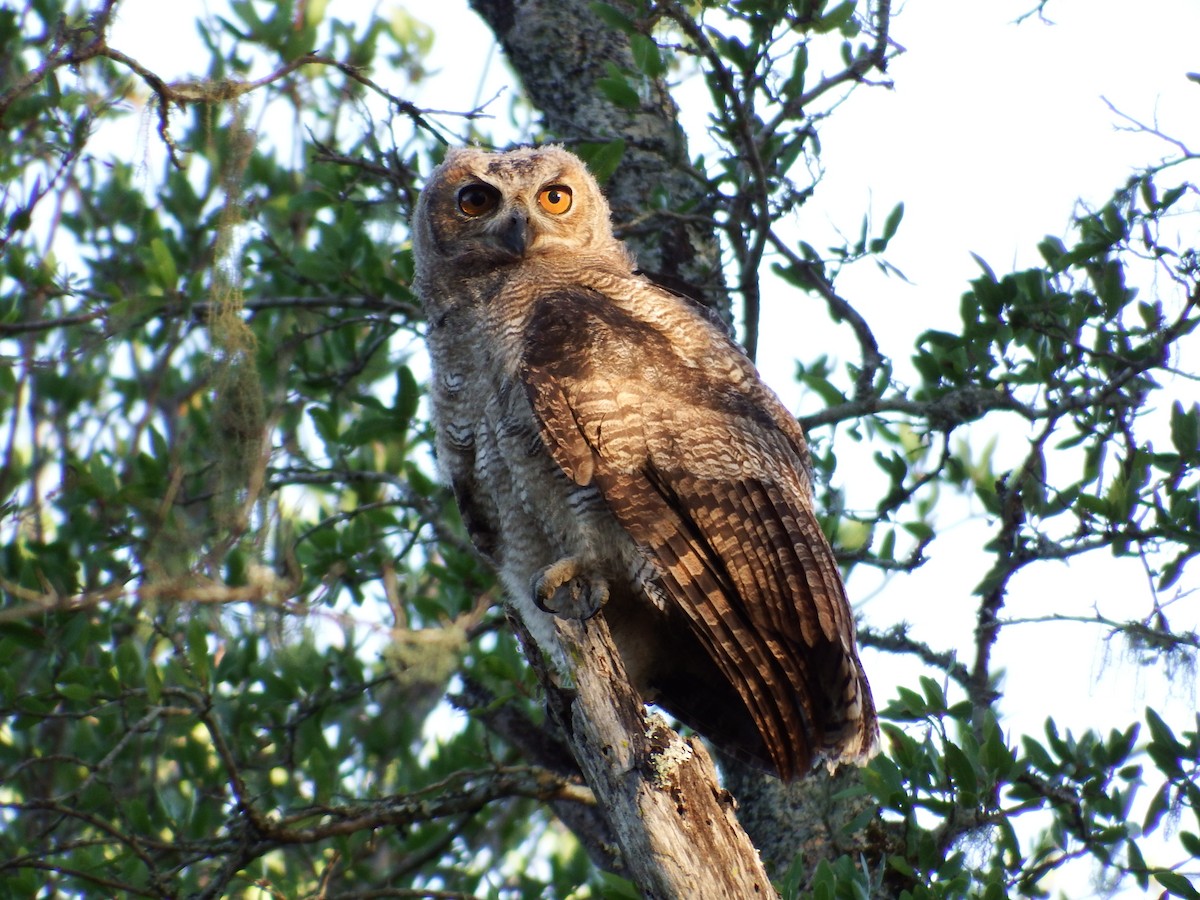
(565, 590)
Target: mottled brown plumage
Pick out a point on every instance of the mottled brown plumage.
(611, 447)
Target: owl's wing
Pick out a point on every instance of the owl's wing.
(706, 470)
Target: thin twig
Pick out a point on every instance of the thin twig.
(872, 359)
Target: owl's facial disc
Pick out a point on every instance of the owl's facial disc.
(498, 225)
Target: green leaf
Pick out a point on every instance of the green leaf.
(408, 396)
(1171, 571)
(836, 18)
(308, 201)
(920, 530)
(733, 49)
(996, 755)
(987, 270)
(197, 646)
(1185, 430)
(614, 18)
(935, 697)
(1170, 197)
(244, 9)
(794, 86)
(887, 547)
(646, 55)
(1159, 804)
(602, 158)
(326, 424)
(1161, 733)
(1137, 864)
(618, 888)
(78, 692)
(963, 772)
(1053, 250)
(1190, 842)
(824, 388)
(907, 705)
(135, 812)
(373, 428)
(1178, 885)
(130, 665)
(154, 684)
(618, 90)
(892, 223)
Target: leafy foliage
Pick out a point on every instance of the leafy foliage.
(234, 597)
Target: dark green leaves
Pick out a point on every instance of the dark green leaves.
(618, 89)
(838, 18)
(1185, 431)
(960, 770)
(1073, 345)
(647, 56)
(614, 18)
(1177, 885)
(234, 592)
(602, 159)
(216, 488)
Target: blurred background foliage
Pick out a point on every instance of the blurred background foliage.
(246, 648)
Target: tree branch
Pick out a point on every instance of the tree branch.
(868, 58)
(676, 829)
(896, 640)
(508, 721)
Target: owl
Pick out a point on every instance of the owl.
(614, 452)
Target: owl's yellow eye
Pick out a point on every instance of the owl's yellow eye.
(555, 199)
(477, 199)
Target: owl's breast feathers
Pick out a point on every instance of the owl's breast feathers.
(707, 471)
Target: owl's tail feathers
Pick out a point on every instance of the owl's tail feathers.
(852, 736)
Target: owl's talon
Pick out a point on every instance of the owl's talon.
(564, 590)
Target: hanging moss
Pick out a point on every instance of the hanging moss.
(238, 407)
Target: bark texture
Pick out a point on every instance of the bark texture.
(677, 830)
(819, 818)
(560, 50)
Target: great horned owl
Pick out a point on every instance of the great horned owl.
(613, 450)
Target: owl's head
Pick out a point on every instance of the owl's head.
(481, 211)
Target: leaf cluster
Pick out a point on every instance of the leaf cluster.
(962, 795)
(234, 596)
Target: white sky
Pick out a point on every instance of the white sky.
(991, 133)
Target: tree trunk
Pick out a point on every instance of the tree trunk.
(661, 818)
(817, 819)
(560, 50)
(676, 828)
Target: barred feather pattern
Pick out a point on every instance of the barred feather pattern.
(584, 413)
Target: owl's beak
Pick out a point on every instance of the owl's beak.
(514, 236)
